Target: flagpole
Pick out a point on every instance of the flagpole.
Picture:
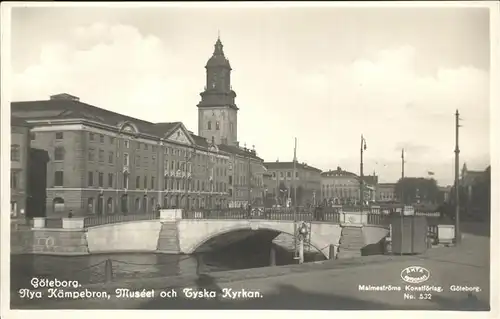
(402, 195)
(295, 196)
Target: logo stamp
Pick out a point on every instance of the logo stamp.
(415, 274)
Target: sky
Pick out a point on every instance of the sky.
(323, 75)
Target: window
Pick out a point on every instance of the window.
(153, 148)
(91, 136)
(14, 179)
(32, 136)
(153, 186)
(167, 150)
(137, 182)
(90, 206)
(209, 125)
(101, 179)
(111, 140)
(288, 174)
(91, 154)
(101, 138)
(126, 143)
(137, 160)
(110, 179)
(58, 178)
(296, 174)
(153, 159)
(125, 159)
(101, 156)
(59, 153)
(145, 182)
(145, 147)
(172, 165)
(274, 175)
(217, 125)
(230, 180)
(91, 178)
(15, 153)
(281, 175)
(138, 146)
(59, 135)
(125, 180)
(111, 158)
(166, 164)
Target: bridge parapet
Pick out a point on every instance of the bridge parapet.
(337, 214)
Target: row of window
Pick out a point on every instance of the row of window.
(97, 179)
(217, 126)
(288, 174)
(339, 186)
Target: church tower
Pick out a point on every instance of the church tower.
(217, 111)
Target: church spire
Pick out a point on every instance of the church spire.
(218, 51)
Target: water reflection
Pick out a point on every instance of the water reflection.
(90, 268)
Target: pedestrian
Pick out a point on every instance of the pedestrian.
(70, 214)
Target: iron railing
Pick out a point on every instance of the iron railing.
(90, 221)
(371, 215)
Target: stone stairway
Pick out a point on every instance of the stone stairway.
(168, 240)
(351, 242)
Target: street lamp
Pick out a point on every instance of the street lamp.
(302, 232)
(361, 181)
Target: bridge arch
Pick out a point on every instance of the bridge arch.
(226, 234)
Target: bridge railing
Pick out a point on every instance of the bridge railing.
(113, 219)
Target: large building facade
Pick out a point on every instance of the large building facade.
(102, 162)
(307, 181)
(386, 192)
(19, 155)
(342, 187)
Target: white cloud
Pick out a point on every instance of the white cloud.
(382, 96)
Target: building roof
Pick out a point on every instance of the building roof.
(66, 106)
(339, 172)
(387, 184)
(239, 151)
(289, 165)
(16, 121)
(371, 179)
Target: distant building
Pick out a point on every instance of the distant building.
(468, 178)
(19, 158)
(386, 192)
(307, 181)
(342, 187)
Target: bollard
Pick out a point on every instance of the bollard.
(332, 251)
(272, 256)
(108, 271)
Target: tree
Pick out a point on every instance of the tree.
(417, 189)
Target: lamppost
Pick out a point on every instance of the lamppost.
(361, 180)
(302, 232)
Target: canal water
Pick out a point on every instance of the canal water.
(91, 268)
